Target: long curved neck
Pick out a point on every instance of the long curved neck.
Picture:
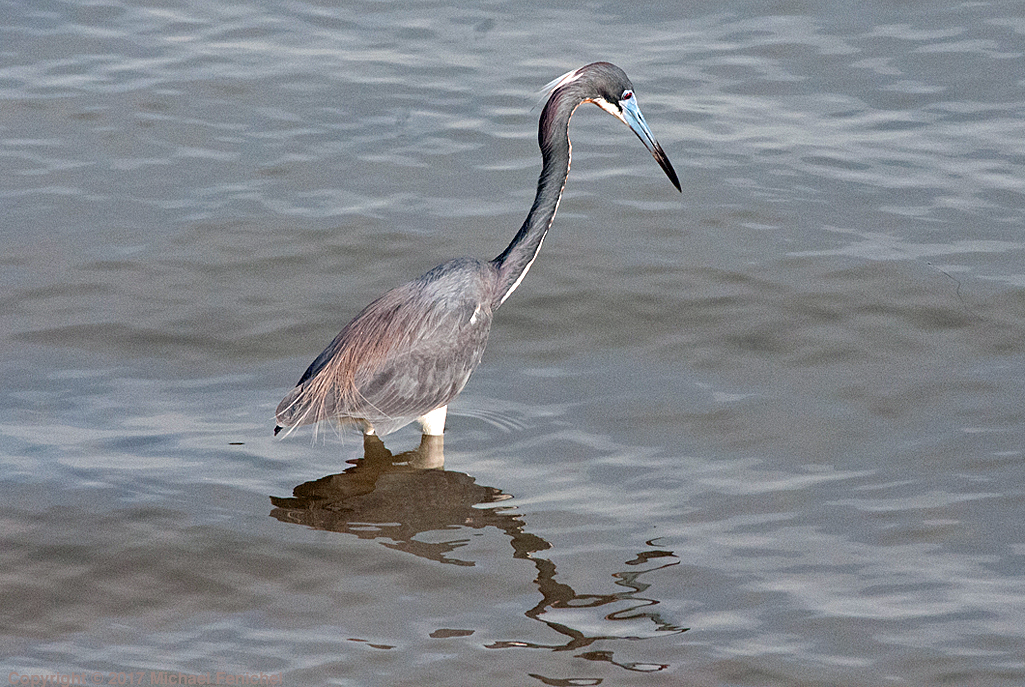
(553, 138)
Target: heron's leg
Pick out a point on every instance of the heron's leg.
(434, 421)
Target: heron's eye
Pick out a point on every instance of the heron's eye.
(627, 95)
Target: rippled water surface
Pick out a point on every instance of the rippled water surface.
(769, 431)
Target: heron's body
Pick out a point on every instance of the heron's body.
(410, 352)
(424, 336)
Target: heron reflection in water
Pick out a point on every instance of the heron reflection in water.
(410, 352)
(394, 500)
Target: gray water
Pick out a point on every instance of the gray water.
(766, 432)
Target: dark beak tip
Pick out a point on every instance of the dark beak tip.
(676, 182)
(670, 172)
(663, 161)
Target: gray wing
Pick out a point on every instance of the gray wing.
(447, 337)
(414, 347)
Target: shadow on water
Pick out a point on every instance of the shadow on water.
(397, 497)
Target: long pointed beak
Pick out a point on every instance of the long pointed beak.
(632, 117)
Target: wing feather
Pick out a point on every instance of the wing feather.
(407, 353)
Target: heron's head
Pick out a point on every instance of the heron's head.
(608, 87)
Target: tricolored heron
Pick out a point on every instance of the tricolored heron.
(410, 352)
